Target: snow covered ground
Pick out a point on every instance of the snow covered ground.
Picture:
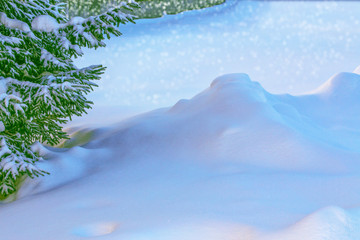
(233, 162)
(236, 161)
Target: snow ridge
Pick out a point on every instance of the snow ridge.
(329, 223)
(342, 85)
(234, 113)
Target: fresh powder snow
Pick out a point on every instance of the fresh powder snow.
(2, 127)
(233, 162)
(45, 23)
(13, 23)
(242, 159)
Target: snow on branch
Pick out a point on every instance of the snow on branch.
(90, 31)
(10, 40)
(45, 23)
(9, 99)
(15, 160)
(14, 23)
(50, 59)
(40, 86)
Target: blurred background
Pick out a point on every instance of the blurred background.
(177, 47)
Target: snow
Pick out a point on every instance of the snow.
(4, 148)
(49, 59)
(45, 23)
(328, 223)
(11, 40)
(3, 85)
(157, 62)
(96, 229)
(235, 161)
(2, 127)
(342, 85)
(76, 21)
(357, 70)
(13, 23)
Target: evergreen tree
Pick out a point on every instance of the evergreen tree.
(40, 87)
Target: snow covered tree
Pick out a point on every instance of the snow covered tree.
(40, 87)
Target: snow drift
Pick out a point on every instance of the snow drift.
(328, 223)
(234, 162)
(225, 122)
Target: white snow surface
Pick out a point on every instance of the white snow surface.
(233, 162)
(76, 20)
(13, 23)
(2, 127)
(45, 23)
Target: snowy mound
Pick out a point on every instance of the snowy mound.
(335, 104)
(228, 93)
(234, 114)
(342, 87)
(329, 223)
(234, 160)
(222, 124)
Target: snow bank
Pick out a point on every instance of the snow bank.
(65, 166)
(342, 87)
(233, 162)
(226, 121)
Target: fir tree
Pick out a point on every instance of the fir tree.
(40, 87)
